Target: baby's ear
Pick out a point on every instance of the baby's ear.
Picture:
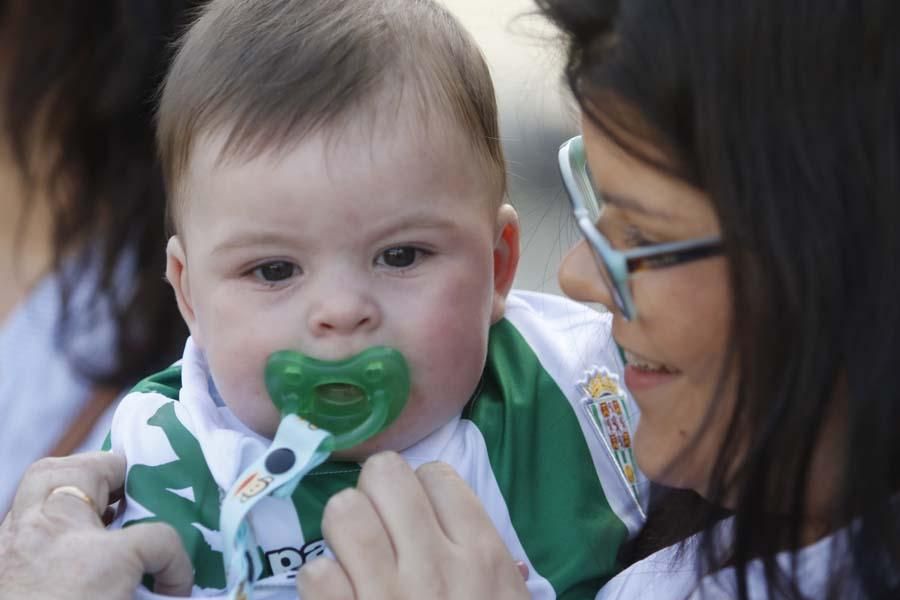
(177, 276)
(506, 258)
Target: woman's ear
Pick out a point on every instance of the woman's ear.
(177, 276)
(506, 258)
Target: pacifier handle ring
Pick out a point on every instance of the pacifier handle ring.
(376, 420)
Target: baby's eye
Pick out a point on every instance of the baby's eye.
(399, 257)
(275, 271)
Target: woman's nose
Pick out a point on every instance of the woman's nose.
(580, 279)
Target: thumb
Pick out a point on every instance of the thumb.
(157, 549)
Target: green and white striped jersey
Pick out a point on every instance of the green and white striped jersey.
(544, 443)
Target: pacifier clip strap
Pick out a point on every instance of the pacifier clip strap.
(298, 448)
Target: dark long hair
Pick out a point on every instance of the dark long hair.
(80, 85)
(787, 114)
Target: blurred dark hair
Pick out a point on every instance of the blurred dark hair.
(787, 114)
(77, 108)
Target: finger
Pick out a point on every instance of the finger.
(465, 521)
(324, 579)
(406, 511)
(459, 512)
(71, 504)
(96, 473)
(158, 551)
(356, 535)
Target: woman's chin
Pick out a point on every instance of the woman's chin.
(662, 463)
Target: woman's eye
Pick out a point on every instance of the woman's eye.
(622, 236)
(635, 239)
(275, 271)
(399, 257)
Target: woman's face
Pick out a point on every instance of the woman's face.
(675, 347)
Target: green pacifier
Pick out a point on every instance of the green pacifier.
(354, 398)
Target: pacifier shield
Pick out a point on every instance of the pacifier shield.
(354, 398)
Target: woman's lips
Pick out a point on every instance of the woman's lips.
(642, 373)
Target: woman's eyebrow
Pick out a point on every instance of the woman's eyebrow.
(624, 202)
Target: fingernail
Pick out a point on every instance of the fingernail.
(523, 568)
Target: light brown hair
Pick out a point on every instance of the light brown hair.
(268, 72)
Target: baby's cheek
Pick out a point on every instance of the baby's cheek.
(454, 341)
(450, 371)
(243, 390)
(458, 328)
(259, 414)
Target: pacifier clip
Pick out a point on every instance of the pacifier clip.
(325, 406)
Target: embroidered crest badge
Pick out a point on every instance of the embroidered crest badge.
(603, 399)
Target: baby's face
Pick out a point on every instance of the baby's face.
(349, 240)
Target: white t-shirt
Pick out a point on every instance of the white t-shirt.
(672, 574)
(41, 393)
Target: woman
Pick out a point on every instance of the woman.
(83, 307)
(747, 155)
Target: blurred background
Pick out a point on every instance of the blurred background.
(536, 116)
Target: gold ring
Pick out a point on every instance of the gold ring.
(75, 492)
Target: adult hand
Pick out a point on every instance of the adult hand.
(410, 535)
(53, 543)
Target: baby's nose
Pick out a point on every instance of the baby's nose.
(344, 312)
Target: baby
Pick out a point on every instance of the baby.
(336, 182)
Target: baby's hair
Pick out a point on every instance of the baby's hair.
(267, 73)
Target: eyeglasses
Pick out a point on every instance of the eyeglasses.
(616, 266)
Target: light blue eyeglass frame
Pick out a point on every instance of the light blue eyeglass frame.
(617, 266)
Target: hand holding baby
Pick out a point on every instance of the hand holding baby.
(53, 543)
(407, 534)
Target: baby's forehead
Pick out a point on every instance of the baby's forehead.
(386, 134)
(370, 186)
(401, 157)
